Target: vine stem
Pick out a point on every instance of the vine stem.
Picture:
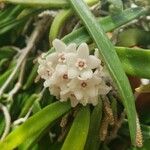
(34, 38)
(7, 121)
(19, 82)
(22, 120)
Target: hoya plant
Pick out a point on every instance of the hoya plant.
(74, 74)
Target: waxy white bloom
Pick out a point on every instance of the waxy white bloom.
(80, 64)
(84, 89)
(73, 74)
(45, 69)
(61, 52)
(69, 95)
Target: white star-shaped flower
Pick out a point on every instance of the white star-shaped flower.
(61, 50)
(80, 64)
(69, 96)
(73, 74)
(83, 89)
(45, 69)
(59, 78)
(55, 90)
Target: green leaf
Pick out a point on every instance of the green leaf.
(77, 135)
(28, 144)
(31, 78)
(93, 140)
(7, 52)
(28, 104)
(116, 5)
(111, 60)
(146, 131)
(108, 23)
(6, 11)
(12, 23)
(58, 23)
(11, 14)
(46, 3)
(34, 124)
(4, 76)
(135, 61)
(146, 146)
(133, 37)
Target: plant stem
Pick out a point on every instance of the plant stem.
(19, 82)
(7, 121)
(34, 38)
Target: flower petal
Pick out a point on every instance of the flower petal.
(73, 84)
(59, 45)
(93, 62)
(52, 57)
(94, 101)
(74, 102)
(104, 89)
(71, 59)
(78, 94)
(72, 73)
(84, 101)
(83, 51)
(71, 48)
(55, 91)
(64, 91)
(86, 74)
(91, 91)
(60, 70)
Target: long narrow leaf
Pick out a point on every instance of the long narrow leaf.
(34, 124)
(111, 60)
(93, 140)
(77, 135)
(58, 23)
(135, 61)
(45, 3)
(108, 23)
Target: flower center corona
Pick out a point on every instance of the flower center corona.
(83, 84)
(61, 58)
(65, 76)
(81, 63)
(72, 95)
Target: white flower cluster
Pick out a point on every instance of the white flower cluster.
(72, 73)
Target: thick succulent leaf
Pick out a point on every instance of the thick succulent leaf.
(135, 61)
(77, 135)
(7, 52)
(45, 3)
(108, 23)
(4, 76)
(133, 37)
(58, 23)
(116, 5)
(110, 58)
(28, 104)
(31, 78)
(34, 124)
(93, 140)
